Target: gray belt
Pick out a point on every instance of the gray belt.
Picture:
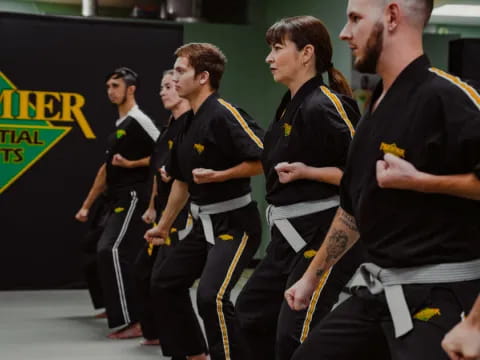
(279, 216)
(182, 234)
(203, 212)
(391, 281)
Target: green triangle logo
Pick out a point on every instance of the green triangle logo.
(22, 142)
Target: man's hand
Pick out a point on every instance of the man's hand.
(82, 215)
(396, 173)
(119, 160)
(463, 341)
(298, 296)
(149, 215)
(157, 235)
(164, 175)
(288, 172)
(203, 176)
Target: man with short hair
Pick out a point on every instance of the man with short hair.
(408, 191)
(124, 177)
(215, 156)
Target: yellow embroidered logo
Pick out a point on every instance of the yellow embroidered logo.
(287, 129)
(199, 148)
(309, 254)
(426, 314)
(225, 237)
(121, 133)
(173, 230)
(170, 144)
(392, 149)
(118, 210)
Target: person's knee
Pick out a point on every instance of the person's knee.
(207, 299)
(104, 253)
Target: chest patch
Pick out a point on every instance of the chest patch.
(170, 144)
(120, 133)
(287, 129)
(392, 149)
(199, 148)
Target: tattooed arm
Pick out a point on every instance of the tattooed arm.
(341, 236)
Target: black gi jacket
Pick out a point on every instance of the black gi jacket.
(432, 120)
(161, 157)
(219, 136)
(315, 127)
(134, 139)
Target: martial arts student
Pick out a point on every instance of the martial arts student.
(212, 162)
(151, 258)
(124, 176)
(312, 130)
(463, 341)
(408, 193)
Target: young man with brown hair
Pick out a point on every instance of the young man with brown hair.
(215, 156)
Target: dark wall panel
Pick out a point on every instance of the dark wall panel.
(41, 188)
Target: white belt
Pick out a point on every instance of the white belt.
(203, 212)
(391, 280)
(280, 215)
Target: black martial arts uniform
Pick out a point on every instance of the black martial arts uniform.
(150, 258)
(97, 218)
(122, 238)
(315, 127)
(219, 136)
(432, 120)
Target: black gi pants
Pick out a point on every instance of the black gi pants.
(145, 266)
(272, 329)
(97, 219)
(219, 266)
(117, 249)
(361, 327)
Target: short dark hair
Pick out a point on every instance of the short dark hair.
(128, 75)
(205, 57)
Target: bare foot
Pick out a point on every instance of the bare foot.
(147, 342)
(128, 332)
(102, 315)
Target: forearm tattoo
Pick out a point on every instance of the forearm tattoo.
(348, 220)
(337, 243)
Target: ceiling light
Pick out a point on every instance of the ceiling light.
(457, 10)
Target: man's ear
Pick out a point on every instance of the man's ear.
(204, 77)
(393, 13)
(131, 89)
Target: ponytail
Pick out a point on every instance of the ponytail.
(338, 82)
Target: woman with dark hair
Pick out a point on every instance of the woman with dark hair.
(305, 149)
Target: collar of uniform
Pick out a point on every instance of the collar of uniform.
(120, 120)
(288, 106)
(414, 73)
(205, 105)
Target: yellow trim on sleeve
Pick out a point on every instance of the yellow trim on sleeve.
(340, 109)
(242, 123)
(467, 89)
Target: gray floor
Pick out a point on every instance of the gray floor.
(60, 325)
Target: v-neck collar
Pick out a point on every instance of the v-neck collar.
(288, 106)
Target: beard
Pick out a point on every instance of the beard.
(368, 63)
